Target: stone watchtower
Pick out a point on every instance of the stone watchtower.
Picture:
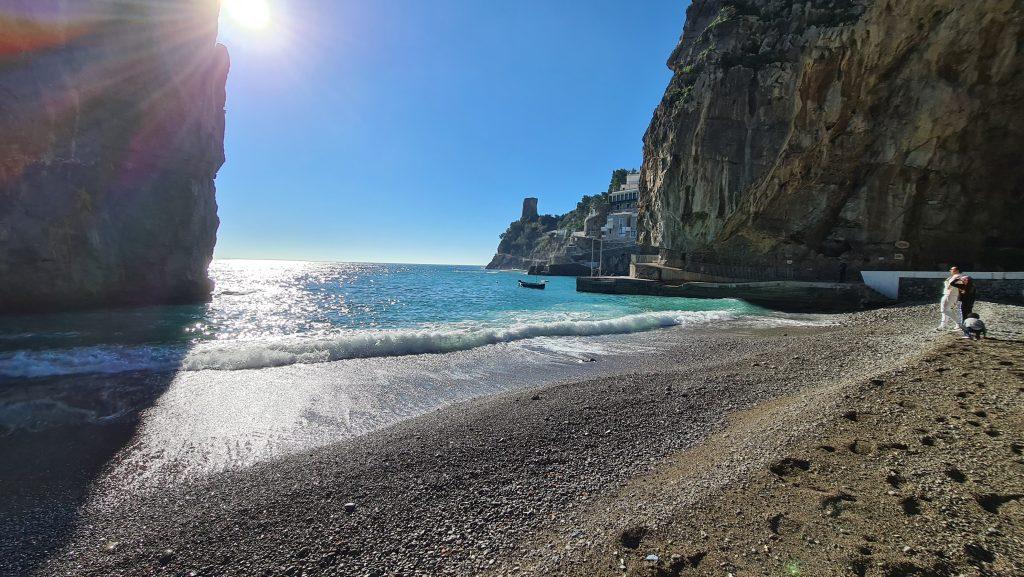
(529, 210)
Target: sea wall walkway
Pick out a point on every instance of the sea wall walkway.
(793, 296)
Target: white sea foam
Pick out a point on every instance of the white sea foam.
(239, 355)
(84, 360)
(253, 355)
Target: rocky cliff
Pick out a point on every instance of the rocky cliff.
(875, 133)
(526, 241)
(112, 119)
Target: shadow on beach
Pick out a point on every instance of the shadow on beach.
(58, 435)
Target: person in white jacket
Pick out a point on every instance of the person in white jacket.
(947, 306)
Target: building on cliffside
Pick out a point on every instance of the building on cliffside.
(571, 244)
(623, 212)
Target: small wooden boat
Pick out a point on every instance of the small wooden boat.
(534, 285)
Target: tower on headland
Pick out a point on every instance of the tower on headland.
(529, 210)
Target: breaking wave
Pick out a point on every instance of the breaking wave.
(254, 355)
(85, 360)
(240, 355)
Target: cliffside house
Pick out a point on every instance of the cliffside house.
(621, 223)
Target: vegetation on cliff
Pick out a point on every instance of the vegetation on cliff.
(573, 220)
(521, 237)
(619, 178)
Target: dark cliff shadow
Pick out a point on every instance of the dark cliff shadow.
(60, 434)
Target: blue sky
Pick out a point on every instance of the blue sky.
(410, 130)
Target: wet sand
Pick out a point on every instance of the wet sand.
(67, 439)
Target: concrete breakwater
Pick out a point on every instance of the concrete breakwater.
(790, 296)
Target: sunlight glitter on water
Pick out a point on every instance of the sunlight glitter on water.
(274, 313)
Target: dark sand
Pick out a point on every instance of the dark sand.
(918, 471)
(530, 482)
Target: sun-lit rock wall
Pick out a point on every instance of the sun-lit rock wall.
(834, 133)
(111, 135)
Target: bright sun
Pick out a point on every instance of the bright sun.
(254, 14)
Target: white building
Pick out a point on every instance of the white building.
(621, 224)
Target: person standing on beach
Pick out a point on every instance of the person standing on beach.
(948, 304)
(968, 293)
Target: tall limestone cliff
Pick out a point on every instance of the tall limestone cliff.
(875, 133)
(112, 124)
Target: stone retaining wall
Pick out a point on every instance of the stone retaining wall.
(995, 290)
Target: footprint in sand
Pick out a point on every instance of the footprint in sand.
(861, 447)
(775, 522)
(979, 553)
(911, 506)
(834, 505)
(789, 466)
(631, 537)
(955, 474)
(991, 502)
(894, 479)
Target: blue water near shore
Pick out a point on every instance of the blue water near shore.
(276, 313)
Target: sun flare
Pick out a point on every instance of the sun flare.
(253, 14)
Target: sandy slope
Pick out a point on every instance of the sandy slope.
(917, 471)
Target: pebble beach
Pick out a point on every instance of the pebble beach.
(629, 473)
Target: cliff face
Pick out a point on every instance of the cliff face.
(878, 133)
(112, 119)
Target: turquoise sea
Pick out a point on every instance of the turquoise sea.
(276, 313)
(289, 356)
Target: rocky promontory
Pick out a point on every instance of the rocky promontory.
(854, 133)
(520, 244)
(547, 244)
(112, 119)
